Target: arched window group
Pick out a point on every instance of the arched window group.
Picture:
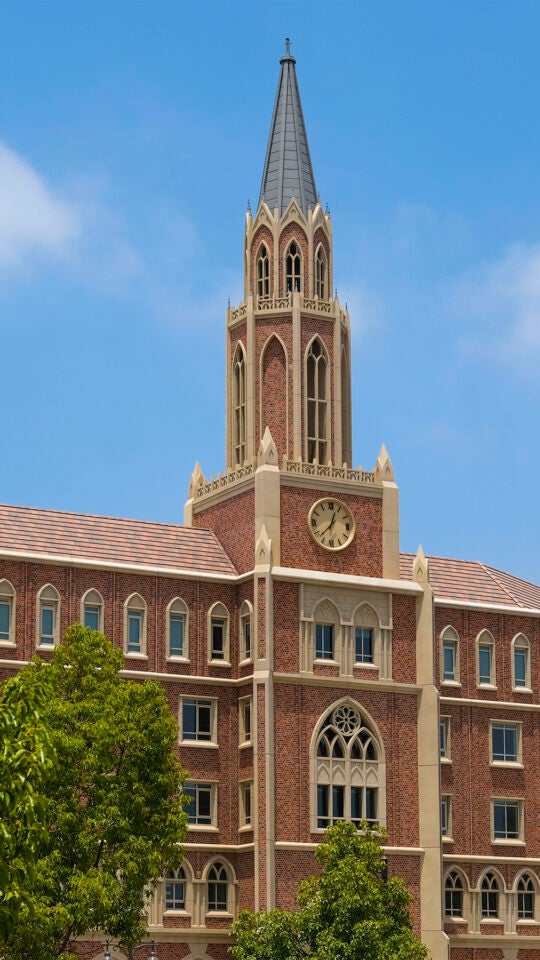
(490, 901)
(214, 892)
(485, 659)
(293, 266)
(349, 768)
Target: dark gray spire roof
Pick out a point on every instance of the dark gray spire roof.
(287, 169)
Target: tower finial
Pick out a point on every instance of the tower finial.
(287, 46)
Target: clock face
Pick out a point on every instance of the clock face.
(331, 524)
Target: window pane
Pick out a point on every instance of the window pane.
(322, 805)
(218, 639)
(191, 807)
(442, 737)
(189, 726)
(91, 617)
(247, 721)
(484, 664)
(324, 641)
(337, 803)
(204, 718)
(364, 645)
(5, 610)
(520, 668)
(247, 637)
(134, 631)
(356, 803)
(176, 635)
(449, 669)
(504, 742)
(371, 803)
(47, 624)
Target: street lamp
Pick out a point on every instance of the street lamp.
(153, 954)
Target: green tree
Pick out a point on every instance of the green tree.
(25, 756)
(349, 912)
(114, 801)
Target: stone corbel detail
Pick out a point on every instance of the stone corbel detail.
(263, 550)
(196, 482)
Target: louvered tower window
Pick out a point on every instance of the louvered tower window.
(320, 274)
(263, 273)
(292, 268)
(239, 388)
(316, 404)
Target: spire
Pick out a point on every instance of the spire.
(287, 169)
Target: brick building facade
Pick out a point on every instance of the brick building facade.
(316, 672)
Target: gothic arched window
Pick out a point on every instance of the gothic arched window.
(320, 273)
(263, 272)
(317, 404)
(453, 895)
(175, 890)
(349, 772)
(489, 894)
(239, 406)
(525, 898)
(292, 268)
(218, 889)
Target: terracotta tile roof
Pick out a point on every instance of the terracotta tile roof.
(111, 539)
(470, 580)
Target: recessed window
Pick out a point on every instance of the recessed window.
(7, 612)
(505, 742)
(201, 804)
(48, 616)
(263, 272)
(444, 738)
(246, 792)
(135, 626)
(92, 610)
(363, 644)
(521, 674)
(246, 612)
(507, 819)
(218, 628)
(177, 621)
(198, 720)
(348, 770)
(489, 897)
(486, 660)
(239, 406)
(218, 888)
(324, 641)
(525, 898)
(446, 816)
(449, 656)
(245, 709)
(175, 890)
(320, 273)
(317, 405)
(453, 895)
(293, 268)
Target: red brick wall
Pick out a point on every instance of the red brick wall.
(233, 522)
(274, 391)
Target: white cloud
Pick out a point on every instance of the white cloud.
(501, 303)
(32, 219)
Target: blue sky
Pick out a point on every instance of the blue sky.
(132, 136)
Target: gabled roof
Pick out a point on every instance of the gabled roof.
(470, 581)
(111, 540)
(287, 169)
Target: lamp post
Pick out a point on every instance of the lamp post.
(152, 945)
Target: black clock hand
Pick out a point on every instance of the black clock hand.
(331, 524)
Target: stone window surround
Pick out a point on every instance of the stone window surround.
(48, 596)
(178, 607)
(8, 595)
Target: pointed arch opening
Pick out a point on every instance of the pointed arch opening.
(321, 273)
(317, 403)
(92, 610)
(7, 613)
(348, 768)
(346, 426)
(48, 616)
(455, 899)
(274, 402)
(239, 405)
(293, 268)
(263, 272)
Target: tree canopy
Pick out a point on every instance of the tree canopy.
(349, 912)
(114, 804)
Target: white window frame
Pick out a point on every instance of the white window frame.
(445, 739)
(93, 598)
(499, 887)
(48, 598)
(210, 787)
(245, 704)
(514, 801)
(137, 605)
(218, 611)
(528, 874)
(246, 807)
(194, 742)
(465, 897)
(178, 608)
(518, 762)
(187, 880)
(446, 817)
(366, 618)
(231, 887)
(450, 636)
(8, 596)
(326, 614)
(246, 618)
(520, 642)
(484, 640)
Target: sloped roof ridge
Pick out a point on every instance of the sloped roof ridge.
(106, 516)
(490, 571)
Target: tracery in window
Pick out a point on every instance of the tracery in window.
(239, 406)
(175, 889)
(263, 272)
(219, 892)
(320, 273)
(293, 268)
(526, 898)
(489, 897)
(453, 895)
(317, 403)
(349, 772)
